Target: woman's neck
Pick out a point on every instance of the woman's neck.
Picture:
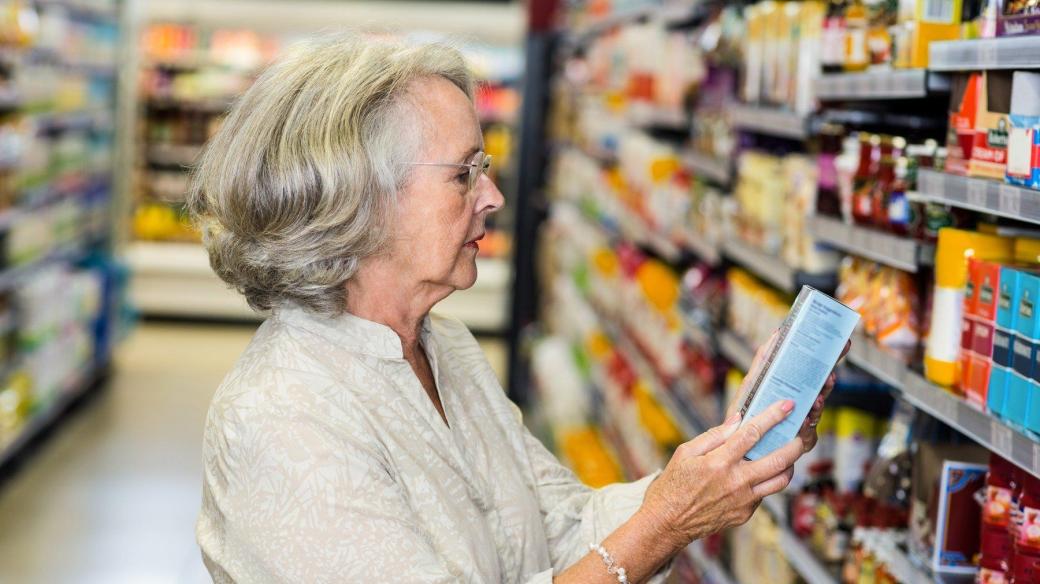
(378, 296)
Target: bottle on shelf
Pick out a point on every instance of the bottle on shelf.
(828, 200)
(866, 175)
(857, 57)
(832, 41)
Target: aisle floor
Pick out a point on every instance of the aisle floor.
(112, 497)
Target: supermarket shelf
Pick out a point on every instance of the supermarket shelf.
(700, 247)
(771, 121)
(981, 427)
(719, 170)
(42, 421)
(998, 53)
(772, 269)
(713, 571)
(892, 84)
(735, 350)
(899, 252)
(18, 273)
(173, 154)
(591, 30)
(901, 566)
(978, 194)
(659, 118)
(802, 560)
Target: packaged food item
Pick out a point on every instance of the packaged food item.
(1026, 561)
(951, 272)
(828, 200)
(964, 106)
(832, 40)
(857, 57)
(986, 277)
(807, 349)
(1023, 151)
(865, 178)
(989, 145)
(958, 521)
(1023, 350)
(931, 20)
(995, 541)
(1004, 338)
(1018, 18)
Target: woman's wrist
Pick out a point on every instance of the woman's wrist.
(661, 537)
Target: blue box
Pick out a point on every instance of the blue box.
(807, 348)
(1023, 353)
(1003, 341)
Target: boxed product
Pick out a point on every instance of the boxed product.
(971, 302)
(933, 20)
(1023, 352)
(958, 518)
(987, 284)
(989, 145)
(1023, 150)
(1004, 338)
(944, 516)
(808, 346)
(960, 136)
(941, 361)
(1018, 18)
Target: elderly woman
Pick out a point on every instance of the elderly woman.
(360, 438)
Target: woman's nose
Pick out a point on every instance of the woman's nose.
(489, 196)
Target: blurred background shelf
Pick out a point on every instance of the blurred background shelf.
(899, 252)
(719, 170)
(979, 194)
(997, 53)
(770, 121)
(875, 85)
(773, 269)
(938, 402)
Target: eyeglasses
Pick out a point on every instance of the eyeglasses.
(481, 164)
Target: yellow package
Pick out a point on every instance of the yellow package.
(941, 363)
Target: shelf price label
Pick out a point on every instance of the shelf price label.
(1036, 457)
(977, 193)
(1002, 439)
(1010, 200)
(987, 55)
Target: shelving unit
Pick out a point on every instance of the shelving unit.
(78, 388)
(718, 170)
(981, 427)
(1021, 52)
(770, 121)
(875, 85)
(772, 269)
(735, 350)
(979, 194)
(713, 570)
(899, 252)
(657, 118)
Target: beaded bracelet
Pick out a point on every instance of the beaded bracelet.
(612, 566)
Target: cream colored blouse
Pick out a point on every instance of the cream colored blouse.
(325, 461)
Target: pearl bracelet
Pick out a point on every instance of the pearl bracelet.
(612, 566)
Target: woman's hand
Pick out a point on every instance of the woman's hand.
(708, 486)
(808, 430)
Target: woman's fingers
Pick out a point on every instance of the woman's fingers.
(710, 440)
(773, 485)
(774, 464)
(757, 363)
(754, 429)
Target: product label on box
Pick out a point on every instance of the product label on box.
(1020, 154)
(1002, 341)
(987, 576)
(1023, 361)
(1029, 530)
(982, 341)
(998, 506)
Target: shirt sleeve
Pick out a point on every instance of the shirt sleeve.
(575, 515)
(297, 504)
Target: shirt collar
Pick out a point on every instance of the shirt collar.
(351, 332)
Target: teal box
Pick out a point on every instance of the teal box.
(1022, 357)
(1004, 336)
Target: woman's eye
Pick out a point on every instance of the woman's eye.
(462, 178)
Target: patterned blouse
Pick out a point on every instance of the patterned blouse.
(325, 461)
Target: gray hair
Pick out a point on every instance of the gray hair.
(299, 184)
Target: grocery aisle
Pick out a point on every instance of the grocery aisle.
(117, 489)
